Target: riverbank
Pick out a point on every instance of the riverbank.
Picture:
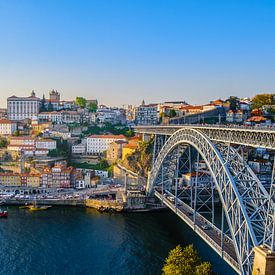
(100, 205)
(59, 202)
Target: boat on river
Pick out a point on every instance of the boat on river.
(3, 213)
(35, 207)
(38, 208)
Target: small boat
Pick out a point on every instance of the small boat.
(26, 206)
(38, 208)
(3, 213)
(35, 207)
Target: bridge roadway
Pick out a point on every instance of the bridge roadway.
(204, 228)
(263, 137)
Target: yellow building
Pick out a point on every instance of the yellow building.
(39, 127)
(129, 148)
(10, 179)
(33, 180)
(16, 179)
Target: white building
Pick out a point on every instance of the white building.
(20, 108)
(110, 115)
(48, 144)
(79, 149)
(235, 116)
(70, 117)
(97, 144)
(60, 117)
(36, 152)
(24, 140)
(7, 127)
(58, 133)
(31, 146)
(146, 115)
(55, 117)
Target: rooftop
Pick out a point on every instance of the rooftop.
(108, 136)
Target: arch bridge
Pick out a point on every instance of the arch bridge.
(195, 168)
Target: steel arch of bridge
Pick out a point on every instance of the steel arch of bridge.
(243, 198)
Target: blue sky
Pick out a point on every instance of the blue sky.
(123, 51)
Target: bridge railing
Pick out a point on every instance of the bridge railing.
(226, 126)
(233, 263)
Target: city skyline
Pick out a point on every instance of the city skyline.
(126, 51)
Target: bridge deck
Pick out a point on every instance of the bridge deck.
(245, 135)
(205, 229)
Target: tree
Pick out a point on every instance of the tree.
(234, 102)
(92, 107)
(16, 133)
(185, 262)
(204, 268)
(172, 113)
(3, 142)
(81, 101)
(260, 100)
(43, 106)
(50, 107)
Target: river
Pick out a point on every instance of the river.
(82, 241)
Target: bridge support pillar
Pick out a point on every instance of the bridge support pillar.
(146, 137)
(264, 261)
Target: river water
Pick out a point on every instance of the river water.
(83, 241)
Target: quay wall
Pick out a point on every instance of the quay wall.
(104, 204)
(46, 202)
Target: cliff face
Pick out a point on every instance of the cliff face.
(140, 161)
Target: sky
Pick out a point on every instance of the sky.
(124, 51)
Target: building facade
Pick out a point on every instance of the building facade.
(146, 115)
(20, 108)
(114, 151)
(79, 149)
(97, 144)
(20, 179)
(7, 127)
(59, 176)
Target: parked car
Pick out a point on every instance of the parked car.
(206, 227)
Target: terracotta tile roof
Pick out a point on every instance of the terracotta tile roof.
(131, 146)
(257, 119)
(108, 136)
(191, 108)
(22, 138)
(6, 121)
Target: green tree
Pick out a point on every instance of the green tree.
(172, 113)
(50, 107)
(185, 262)
(92, 107)
(204, 268)
(43, 106)
(16, 133)
(81, 101)
(260, 100)
(3, 142)
(234, 102)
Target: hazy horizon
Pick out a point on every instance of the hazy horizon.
(122, 52)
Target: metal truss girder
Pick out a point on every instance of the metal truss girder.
(248, 136)
(242, 217)
(269, 236)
